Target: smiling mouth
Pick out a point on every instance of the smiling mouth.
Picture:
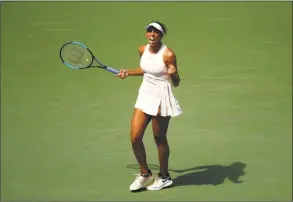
(152, 39)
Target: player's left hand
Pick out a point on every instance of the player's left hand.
(171, 70)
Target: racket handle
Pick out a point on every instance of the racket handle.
(114, 71)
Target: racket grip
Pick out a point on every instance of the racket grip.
(114, 71)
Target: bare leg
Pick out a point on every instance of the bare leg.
(139, 122)
(160, 126)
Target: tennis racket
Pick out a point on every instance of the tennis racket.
(78, 56)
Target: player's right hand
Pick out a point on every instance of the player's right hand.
(122, 74)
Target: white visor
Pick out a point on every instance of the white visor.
(155, 25)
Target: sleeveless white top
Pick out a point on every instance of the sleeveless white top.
(153, 63)
(155, 90)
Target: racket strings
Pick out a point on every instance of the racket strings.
(77, 56)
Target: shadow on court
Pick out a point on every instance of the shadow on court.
(205, 175)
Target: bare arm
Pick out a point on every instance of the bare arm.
(132, 72)
(171, 63)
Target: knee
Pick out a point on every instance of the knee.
(136, 139)
(161, 140)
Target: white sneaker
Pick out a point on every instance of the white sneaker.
(141, 182)
(160, 183)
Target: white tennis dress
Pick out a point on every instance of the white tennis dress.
(155, 90)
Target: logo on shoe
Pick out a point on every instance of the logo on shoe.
(165, 180)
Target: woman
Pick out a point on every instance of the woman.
(156, 103)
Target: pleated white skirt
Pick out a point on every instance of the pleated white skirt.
(156, 92)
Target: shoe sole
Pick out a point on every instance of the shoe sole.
(138, 190)
(164, 186)
(143, 187)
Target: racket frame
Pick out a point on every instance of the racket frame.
(101, 65)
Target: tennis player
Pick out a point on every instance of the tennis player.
(156, 103)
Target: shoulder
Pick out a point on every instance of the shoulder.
(169, 54)
(141, 49)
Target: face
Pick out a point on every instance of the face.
(153, 36)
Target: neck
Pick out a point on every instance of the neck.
(156, 48)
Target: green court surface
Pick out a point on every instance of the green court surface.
(65, 133)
